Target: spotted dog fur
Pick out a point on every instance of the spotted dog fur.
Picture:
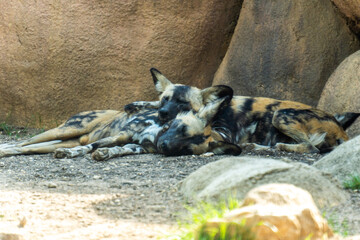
(262, 123)
(131, 132)
(189, 130)
(288, 125)
(191, 133)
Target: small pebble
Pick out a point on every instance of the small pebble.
(22, 222)
(97, 177)
(52, 185)
(2, 164)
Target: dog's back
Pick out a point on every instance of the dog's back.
(267, 121)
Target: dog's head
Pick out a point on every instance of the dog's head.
(190, 133)
(177, 98)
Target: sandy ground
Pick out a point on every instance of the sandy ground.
(133, 197)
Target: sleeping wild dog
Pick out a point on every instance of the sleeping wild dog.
(257, 122)
(191, 127)
(132, 132)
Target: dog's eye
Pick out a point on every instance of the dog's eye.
(182, 101)
(165, 99)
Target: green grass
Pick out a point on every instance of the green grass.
(7, 129)
(338, 226)
(201, 213)
(26, 131)
(353, 182)
(18, 132)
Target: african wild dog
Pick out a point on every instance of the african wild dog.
(190, 127)
(262, 123)
(87, 131)
(191, 133)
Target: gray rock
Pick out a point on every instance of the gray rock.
(342, 91)
(342, 162)
(235, 176)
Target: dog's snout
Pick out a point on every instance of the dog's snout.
(163, 113)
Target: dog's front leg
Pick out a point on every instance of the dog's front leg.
(72, 152)
(82, 150)
(102, 154)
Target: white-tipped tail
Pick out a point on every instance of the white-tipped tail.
(317, 138)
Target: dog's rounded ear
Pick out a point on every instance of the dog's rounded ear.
(160, 81)
(213, 93)
(209, 110)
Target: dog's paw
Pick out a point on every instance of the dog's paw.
(2, 153)
(70, 152)
(10, 151)
(297, 148)
(100, 154)
(61, 153)
(253, 147)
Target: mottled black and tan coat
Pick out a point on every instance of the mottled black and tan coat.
(109, 133)
(249, 121)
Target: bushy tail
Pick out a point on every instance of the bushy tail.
(317, 139)
(346, 119)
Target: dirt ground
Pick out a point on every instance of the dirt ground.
(133, 197)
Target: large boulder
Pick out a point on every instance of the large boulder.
(235, 176)
(343, 162)
(11, 236)
(285, 49)
(341, 92)
(351, 10)
(274, 211)
(357, 237)
(59, 57)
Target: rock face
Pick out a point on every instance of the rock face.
(285, 49)
(351, 10)
(341, 92)
(342, 162)
(235, 176)
(285, 211)
(10, 236)
(59, 57)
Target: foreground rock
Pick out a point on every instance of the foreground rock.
(235, 176)
(275, 211)
(341, 92)
(10, 236)
(342, 162)
(357, 237)
(59, 57)
(285, 49)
